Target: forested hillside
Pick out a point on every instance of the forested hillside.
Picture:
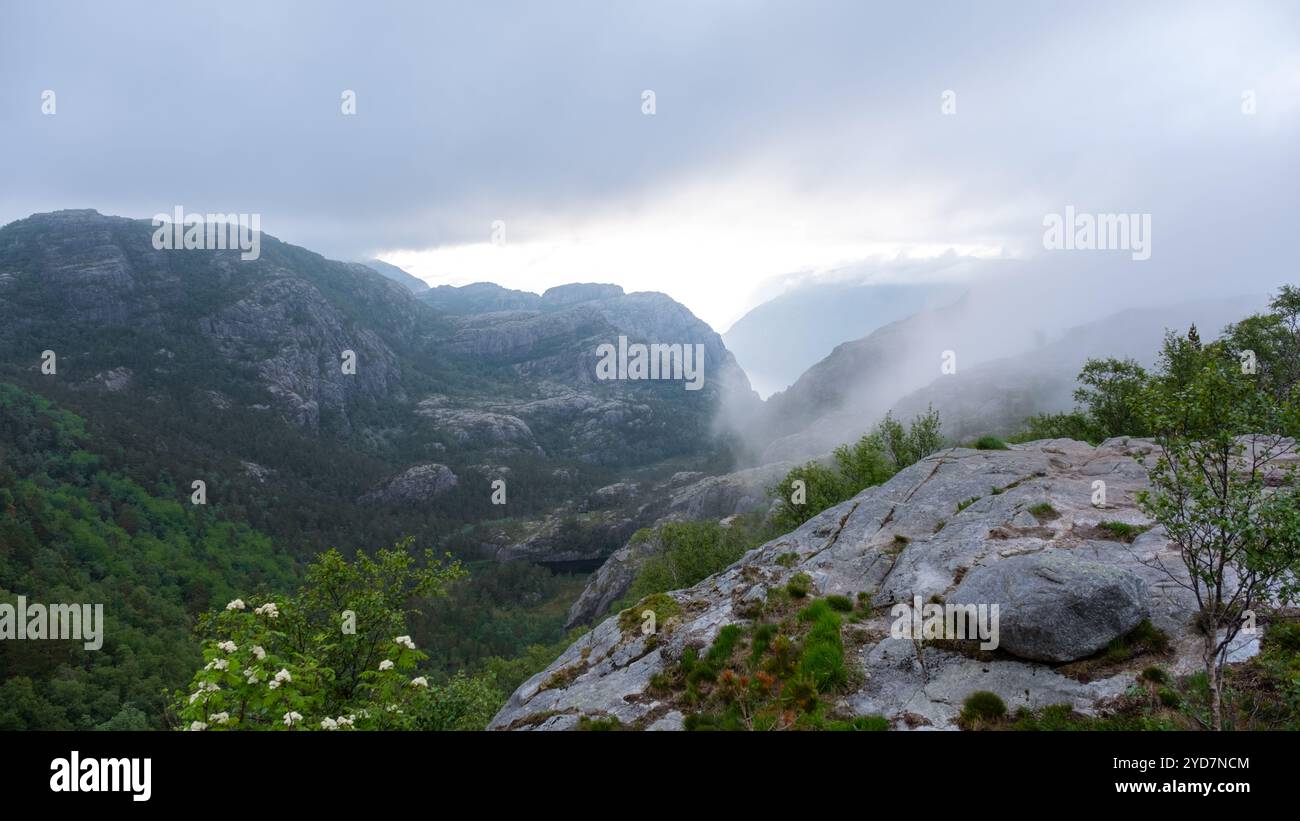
(74, 529)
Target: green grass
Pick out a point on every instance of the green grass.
(599, 724)
(799, 586)
(663, 606)
(1043, 509)
(823, 650)
(723, 646)
(981, 707)
(1124, 531)
(963, 505)
(1145, 638)
(861, 724)
(989, 443)
(841, 603)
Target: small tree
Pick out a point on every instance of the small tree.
(1219, 493)
(1110, 389)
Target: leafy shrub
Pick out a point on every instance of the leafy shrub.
(871, 460)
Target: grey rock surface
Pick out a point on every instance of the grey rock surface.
(853, 547)
(416, 484)
(1055, 606)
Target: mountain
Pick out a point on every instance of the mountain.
(479, 298)
(199, 363)
(397, 275)
(996, 397)
(961, 526)
(778, 340)
(1007, 366)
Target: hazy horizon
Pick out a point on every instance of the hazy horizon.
(510, 144)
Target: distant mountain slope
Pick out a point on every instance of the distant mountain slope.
(783, 337)
(397, 275)
(995, 397)
(1001, 374)
(479, 298)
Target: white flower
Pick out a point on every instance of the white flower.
(291, 717)
(237, 604)
(211, 686)
(385, 665)
(196, 726)
(346, 721)
(269, 610)
(219, 718)
(259, 652)
(252, 675)
(273, 684)
(228, 646)
(194, 696)
(221, 664)
(420, 681)
(328, 724)
(283, 675)
(405, 641)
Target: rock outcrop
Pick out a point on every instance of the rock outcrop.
(955, 515)
(1057, 607)
(415, 485)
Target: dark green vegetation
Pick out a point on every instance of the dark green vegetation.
(74, 527)
(1124, 531)
(870, 461)
(688, 552)
(981, 707)
(1108, 395)
(775, 673)
(78, 528)
(1260, 694)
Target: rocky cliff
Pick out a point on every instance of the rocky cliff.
(1018, 526)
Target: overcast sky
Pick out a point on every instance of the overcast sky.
(787, 137)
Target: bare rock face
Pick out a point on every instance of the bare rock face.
(418, 484)
(1057, 607)
(954, 516)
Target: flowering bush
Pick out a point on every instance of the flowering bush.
(287, 664)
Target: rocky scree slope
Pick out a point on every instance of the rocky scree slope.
(959, 525)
